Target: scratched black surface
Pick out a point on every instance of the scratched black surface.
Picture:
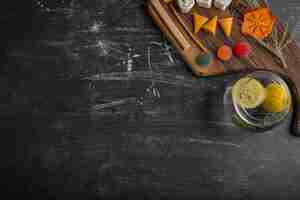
(96, 105)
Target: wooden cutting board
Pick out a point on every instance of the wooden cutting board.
(178, 28)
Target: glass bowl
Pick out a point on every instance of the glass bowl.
(257, 118)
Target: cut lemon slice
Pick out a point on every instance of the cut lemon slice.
(248, 93)
(276, 98)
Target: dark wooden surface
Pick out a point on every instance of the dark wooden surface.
(96, 105)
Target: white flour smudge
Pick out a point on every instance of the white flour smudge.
(103, 47)
(152, 88)
(211, 142)
(132, 29)
(43, 7)
(129, 61)
(167, 48)
(115, 103)
(95, 28)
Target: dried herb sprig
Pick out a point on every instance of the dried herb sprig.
(280, 37)
(279, 40)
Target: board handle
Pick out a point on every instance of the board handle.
(294, 88)
(295, 126)
(169, 24)
(295, 129)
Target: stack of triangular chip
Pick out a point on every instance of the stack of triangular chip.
(210, 25)
(204, 23)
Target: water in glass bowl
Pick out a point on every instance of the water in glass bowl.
(258, 101)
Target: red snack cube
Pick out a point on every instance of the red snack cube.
(242, 49)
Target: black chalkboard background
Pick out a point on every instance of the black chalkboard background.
(95, 104)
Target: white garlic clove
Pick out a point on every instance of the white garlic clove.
(204, 3)
(185, 5)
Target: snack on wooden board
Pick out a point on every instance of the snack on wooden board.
(185, 6)
(205, 59)
(258, 23)
(190, 33)
(199, 21)
(242, 49)
(222, 4)
(224, 53)
(226, 25)
(204, 3)
(211, 25)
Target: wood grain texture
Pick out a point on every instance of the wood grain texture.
(164, 14)
(95, 104)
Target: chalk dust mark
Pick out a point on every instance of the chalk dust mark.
(106, 113)
(157, 77)
(133, 30)
(212, 142)
(219, 123)
(103, 47)
(56, 43)
(113, 104)
(117, 50)
(136, 55)
(63, 10)
(43, 6)
(149, 58)
(167, 145)
(130, 59)
(95, 28)
(67, 11)
(109, 165)
(166, 49)
(110, 49)
(256, 170)
(152, 87)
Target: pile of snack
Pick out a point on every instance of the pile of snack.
(257, 23)
(202, 22)
(186, 5)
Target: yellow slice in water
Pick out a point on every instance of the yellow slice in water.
(276, 98)
(248, 93)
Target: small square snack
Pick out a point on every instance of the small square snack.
(204, 3)
(222, 4)
(185, 5)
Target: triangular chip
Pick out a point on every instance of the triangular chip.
(199, 21)
(226, 25)
(211, 25)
